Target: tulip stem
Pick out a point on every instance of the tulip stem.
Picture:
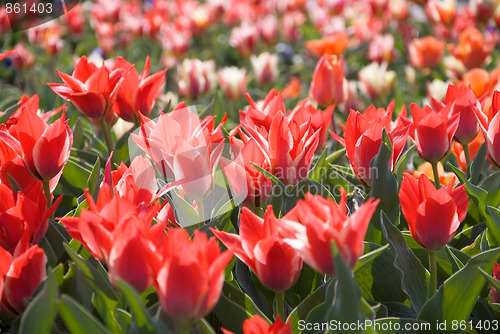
(436, 175)
(433, 270)
(467, 154)
(184, 327)
(46, 191)
(107, 134)
(280, 304)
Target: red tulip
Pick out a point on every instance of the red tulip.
(433, 215)
(257, 325)
(137, 183)
(265, 67)
(118, 232)
(320, 119)
(289, 148)
(490, 127)
(19, 278)
(244, 38)
(244, 178)
(23, 217)
(433, 131)
(191, 274)
(494, 294)
(45, 149)
(90, 88)
(185, 148)
(327, 86)
(322, 222)
(137, 93)
(363, 136)
(260, 246)
(262, 113)
(196, 77)
(462, 101)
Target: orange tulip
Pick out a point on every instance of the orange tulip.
(426, 52)
(472, 49)
(327, 86)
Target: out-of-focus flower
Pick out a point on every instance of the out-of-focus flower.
(314, 223)
(478, 80)
(333, 44)
(426, 52)
(90, 88)
(257, 325)
(426, 168)
(190, 275)
(292, 89)
(244, 38)
(433, 131)
(137, 93)
(381, 49)
(441, 11)
(320, 119)
(260, 246)
(483, 10)
(377, 80)
(196, 77)
(268, 29)
(437, 88)
(19, 277)
(433, 215)
(232, 81)
(175, 39)
(265, 67)
(472, 49)
(327, 86)
(291, 23)
(363, 136)
(22, 58)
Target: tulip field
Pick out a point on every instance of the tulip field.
(249, 166)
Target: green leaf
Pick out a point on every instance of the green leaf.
(94, 180)
(462, 290)
(384, 184)
(402, 162)
(185, 213)
(479, 197)
(41, 311)
(141, 318)
(307, 305)
(241, 306)
(94, 277)
(477, 164)
(491, 279)
(316, 173)
(370, 256)
(333, 157)
(346, 306)
(77, 319)
(415, 276)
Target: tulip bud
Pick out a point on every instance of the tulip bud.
(327, 86)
